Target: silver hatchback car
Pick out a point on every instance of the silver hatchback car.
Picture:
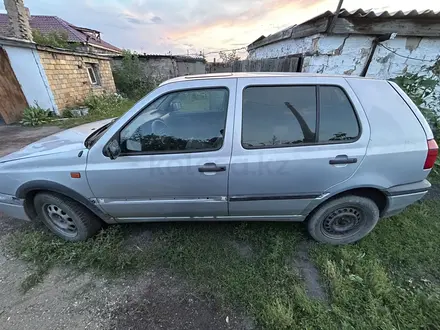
(336, 152)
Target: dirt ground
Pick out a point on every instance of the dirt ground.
(71, 300)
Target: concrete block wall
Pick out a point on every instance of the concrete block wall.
(159, 68)
(165, 67)
(68, 77)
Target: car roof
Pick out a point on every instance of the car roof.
(238, 75)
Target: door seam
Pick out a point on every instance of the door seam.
(232, 144)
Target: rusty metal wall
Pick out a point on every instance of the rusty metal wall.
(12, 99)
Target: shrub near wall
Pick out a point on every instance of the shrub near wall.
(423, 91)
(130, 78)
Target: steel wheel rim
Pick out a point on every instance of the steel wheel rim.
(60, 220)
(343, 222)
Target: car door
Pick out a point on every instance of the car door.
(176, 148)
(295, 138)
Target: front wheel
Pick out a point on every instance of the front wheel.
(343, 220)
(65, 217)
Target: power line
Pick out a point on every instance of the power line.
(214, 52)
(408, 57)
(226, 50)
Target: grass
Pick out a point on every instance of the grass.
(390, 280)
(434, 175)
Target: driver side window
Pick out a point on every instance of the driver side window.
(184, 121)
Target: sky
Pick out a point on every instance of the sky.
(183, 27)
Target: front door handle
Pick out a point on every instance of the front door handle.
(211, 167)
(342, 159)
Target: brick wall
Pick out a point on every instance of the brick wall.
(68, 77)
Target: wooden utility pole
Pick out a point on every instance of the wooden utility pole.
(335, 17)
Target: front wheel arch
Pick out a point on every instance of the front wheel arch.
(28, 191)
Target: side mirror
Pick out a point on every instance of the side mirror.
(112, 149)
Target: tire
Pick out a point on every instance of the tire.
(66, 218)
(343, 220)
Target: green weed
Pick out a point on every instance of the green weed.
(390, 280)
(100, 107)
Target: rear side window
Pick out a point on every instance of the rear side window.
(337, 119)
(283, 116)
(278, 116)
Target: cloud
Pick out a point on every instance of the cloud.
(157, 20)
(140, 18)
(242, 13)
(143, 21)
(160, 26)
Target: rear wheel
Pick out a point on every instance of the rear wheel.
(343, 220)
(65, 217)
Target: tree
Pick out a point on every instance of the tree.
(130, 78)
(229, 58)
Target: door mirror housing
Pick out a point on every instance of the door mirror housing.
(112, 149)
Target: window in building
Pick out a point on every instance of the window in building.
(93, 72)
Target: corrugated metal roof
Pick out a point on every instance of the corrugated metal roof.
(386, 14)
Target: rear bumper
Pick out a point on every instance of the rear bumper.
(399, 197)
(12, 207)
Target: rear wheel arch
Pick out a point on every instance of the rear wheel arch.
(29, 190)
(376, 195)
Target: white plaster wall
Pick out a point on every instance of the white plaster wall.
(283, 48)
(386, 64)
(347, 55)
(25, 63)
(340, 54)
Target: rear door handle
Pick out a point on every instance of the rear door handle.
(211, 167)
(342, 159)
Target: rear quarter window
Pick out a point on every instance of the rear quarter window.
(337, 118)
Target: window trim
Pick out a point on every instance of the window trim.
(318, 113)
(93, 68)
(149, 153)
(356, 115)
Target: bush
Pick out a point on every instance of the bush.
(130, 78)
(35, 116)
(104, 104)
(58, 39)
(421, 90)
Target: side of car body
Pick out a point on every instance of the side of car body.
(238, 147)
